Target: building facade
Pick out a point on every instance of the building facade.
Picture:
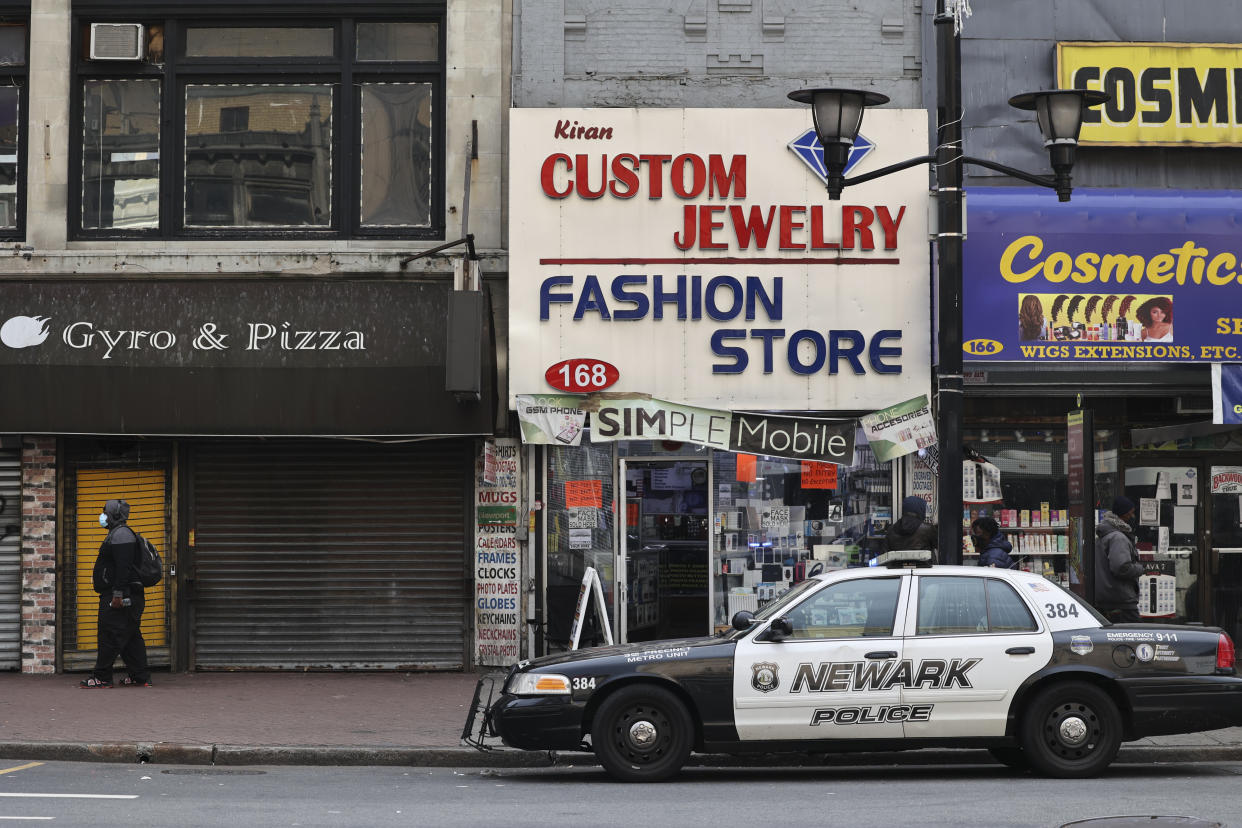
(227, 303)
(672, 247)
(1116, 303)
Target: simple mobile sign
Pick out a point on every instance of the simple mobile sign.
(696, 252)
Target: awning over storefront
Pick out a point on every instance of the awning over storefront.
(233, 357)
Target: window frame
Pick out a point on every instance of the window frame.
(846, 583)
(983, 581)
(342, 72)
(20, 77)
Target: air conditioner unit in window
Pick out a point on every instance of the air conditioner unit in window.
(118, 41)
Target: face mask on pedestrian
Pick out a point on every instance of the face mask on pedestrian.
(103, 519)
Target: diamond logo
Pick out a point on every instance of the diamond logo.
(807, 147)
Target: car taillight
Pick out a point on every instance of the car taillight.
(1224, 653)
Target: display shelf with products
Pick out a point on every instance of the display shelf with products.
(1033, 508)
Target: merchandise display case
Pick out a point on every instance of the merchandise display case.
(1032, 506)
(782, 521)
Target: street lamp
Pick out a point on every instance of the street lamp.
(838, 115)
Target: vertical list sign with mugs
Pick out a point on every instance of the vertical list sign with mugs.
(497, 562)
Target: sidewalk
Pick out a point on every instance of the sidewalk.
(344, 719)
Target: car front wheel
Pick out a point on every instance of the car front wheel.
(1071, 730)
(642, 734)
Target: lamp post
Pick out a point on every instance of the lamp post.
(838, 116)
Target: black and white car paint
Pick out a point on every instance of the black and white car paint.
(879, 659)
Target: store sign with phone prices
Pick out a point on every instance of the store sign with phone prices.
(693, 255)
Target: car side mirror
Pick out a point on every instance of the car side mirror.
(742, 620)
(779, 630)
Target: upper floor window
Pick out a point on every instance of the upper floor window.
(12, 115)
(210, 128)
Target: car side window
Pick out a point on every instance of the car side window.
(1006, 611)
(951, 605)
(856, 608)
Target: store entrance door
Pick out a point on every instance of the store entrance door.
(1225, 512)
(1172, 537)
(663, 554)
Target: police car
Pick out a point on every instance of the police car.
(902, 656)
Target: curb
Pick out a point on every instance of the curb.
(172, 753)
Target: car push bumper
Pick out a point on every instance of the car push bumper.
(523, 722)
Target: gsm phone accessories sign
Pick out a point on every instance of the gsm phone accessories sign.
(1166, 94)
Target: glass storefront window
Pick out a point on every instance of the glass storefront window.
(1033, 508)
(1226, 494)
(579, 518)
(778, 522)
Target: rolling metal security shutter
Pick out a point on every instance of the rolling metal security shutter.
(330, 555)
(10, 560)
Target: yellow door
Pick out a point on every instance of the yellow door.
(144, 490)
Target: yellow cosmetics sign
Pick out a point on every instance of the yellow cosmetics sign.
(1163, 94)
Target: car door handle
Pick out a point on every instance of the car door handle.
(882, 654)
(1020, 650)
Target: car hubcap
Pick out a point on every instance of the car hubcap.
(1073, 730)
(642, 734)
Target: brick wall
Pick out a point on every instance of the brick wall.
(39, 555)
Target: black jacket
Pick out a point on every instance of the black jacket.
(1117, 567)
(912, 532)
(116, 554)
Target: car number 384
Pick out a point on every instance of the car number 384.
(901, 656)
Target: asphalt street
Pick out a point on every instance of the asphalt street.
(147, 796)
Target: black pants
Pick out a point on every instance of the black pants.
(120, 634)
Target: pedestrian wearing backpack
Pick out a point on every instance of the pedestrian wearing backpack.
(121, 601)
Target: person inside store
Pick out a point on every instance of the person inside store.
(121, 602)
(912, 531)
(1156, 314)
(1117, 567)
(991, 544)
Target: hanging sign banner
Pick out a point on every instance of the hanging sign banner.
(639, 417)
(1226, 394)
(900, 429)
(550, 419)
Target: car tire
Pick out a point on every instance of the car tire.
(1011, 757)
(642, 734)
(1071, 730)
